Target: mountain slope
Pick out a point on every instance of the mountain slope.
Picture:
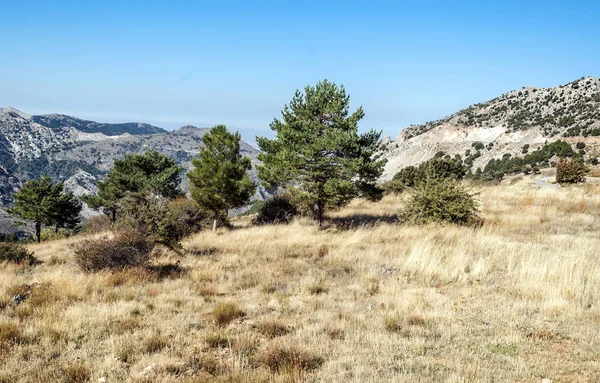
(58, 121)
(504, 125)
(30, 149)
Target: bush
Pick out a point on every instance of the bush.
(97, 224)
(50, 234)
(16, 253)
(580, 145)
(187, 216)
(278, 209)
(412, 176)
(441, 200)
(151, 215)
(570, 171)
(129, 248)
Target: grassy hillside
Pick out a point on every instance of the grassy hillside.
(515, 300)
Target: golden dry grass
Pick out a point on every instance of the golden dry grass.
(365, 300)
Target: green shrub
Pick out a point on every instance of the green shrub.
(441, 200)
(187, 216)
(51, 234)
(129, 248)
(278, 209)
(477, 145)
(16, 253)
(156, 217)
(412, 176)
(580, 145)
(570, 171)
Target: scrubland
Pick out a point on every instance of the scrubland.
(364, 300)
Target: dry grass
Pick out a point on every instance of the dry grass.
(364, 300)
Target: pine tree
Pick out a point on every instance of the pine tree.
(43, 202)
(318, 153)
(137, 174)
(219, 180)
(66, 212)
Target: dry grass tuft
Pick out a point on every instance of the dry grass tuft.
(286, 359)
(272, 328)
(218, 339)
(155, 343)
(76, 373)
(224, 313)
(10, 334)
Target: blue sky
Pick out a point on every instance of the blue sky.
(238, 63)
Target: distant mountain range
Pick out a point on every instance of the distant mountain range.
(505, 125)
(79, 152)
(58, 121)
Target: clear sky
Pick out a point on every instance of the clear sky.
(238, 62)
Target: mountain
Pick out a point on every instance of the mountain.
(55, 145)
(58, 121)
(516, 122)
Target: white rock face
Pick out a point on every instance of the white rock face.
(528, 116)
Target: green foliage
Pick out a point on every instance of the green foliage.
(477, 145)
(219, 180)
(441, 200)
(580, 145)
(150, 215)
(187, 216)
(277, 209)
(135, 175)
(570, 171)
(125, 249)
(497, 168)
(50, 234)
(44, 203)
(66, 212)
(411, 176)
(5, 237)
(318, 153)
(16, 253)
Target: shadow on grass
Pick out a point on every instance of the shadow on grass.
(202, 251)
(362, 220)
(167, 271)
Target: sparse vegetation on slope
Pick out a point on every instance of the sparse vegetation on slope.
(514, 300)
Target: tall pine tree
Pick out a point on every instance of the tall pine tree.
(219, 180)
(318, 153)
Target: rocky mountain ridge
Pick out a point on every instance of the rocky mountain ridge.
(504, 125)
(29, 149)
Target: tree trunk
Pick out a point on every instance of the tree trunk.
(38, 232)
(214, 225)
(318, 213)
(114, 215)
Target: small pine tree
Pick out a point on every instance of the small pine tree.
(137, 174)
(43, 202)
(219, 180)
